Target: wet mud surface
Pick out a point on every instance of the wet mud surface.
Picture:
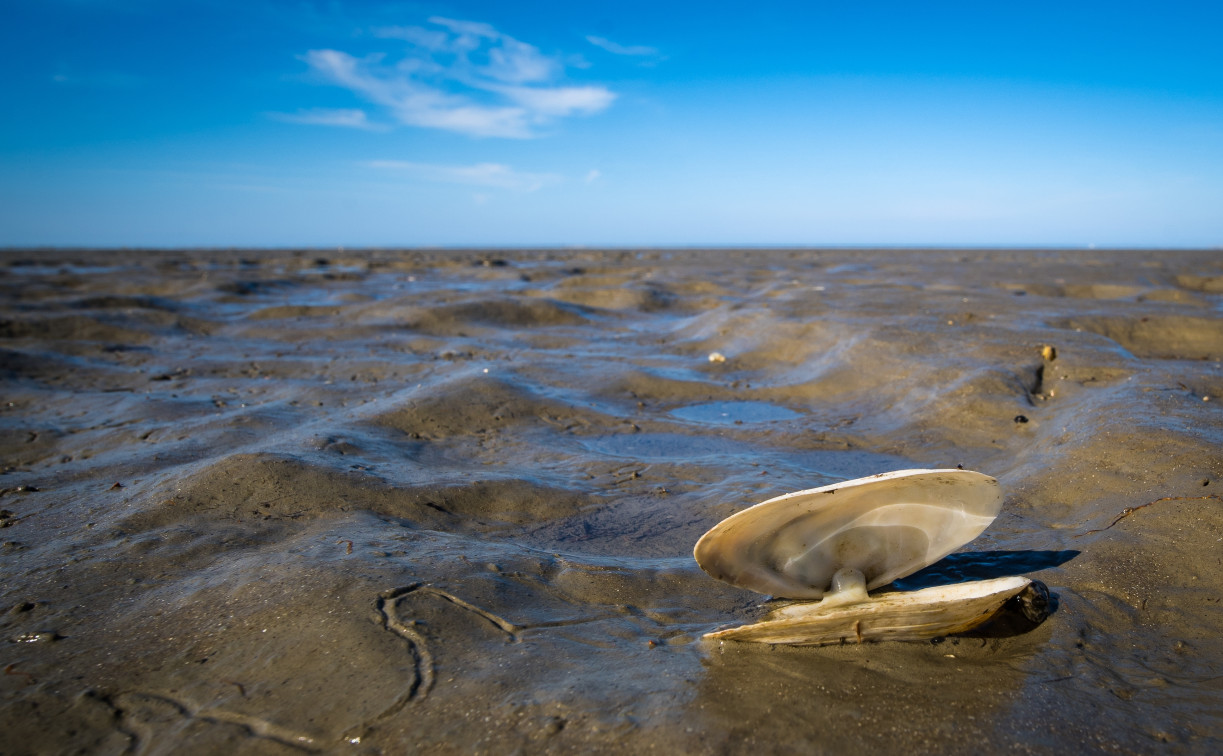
(268, 502)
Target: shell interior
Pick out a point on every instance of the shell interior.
(888, 526)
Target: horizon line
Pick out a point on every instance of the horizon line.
(601, 247)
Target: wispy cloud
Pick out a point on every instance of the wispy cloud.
(353, 119)
(465, 77)
(646, 57)
(491, 175)
(640, 51)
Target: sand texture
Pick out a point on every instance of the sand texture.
(276, 502)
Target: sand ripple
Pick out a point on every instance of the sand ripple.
(272, 502)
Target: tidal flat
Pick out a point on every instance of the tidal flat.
(444, 501)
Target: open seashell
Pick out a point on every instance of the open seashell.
(843, 540)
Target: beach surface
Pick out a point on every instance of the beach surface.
(376, 501)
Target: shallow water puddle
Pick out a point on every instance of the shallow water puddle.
(665, 446)
(730, 413)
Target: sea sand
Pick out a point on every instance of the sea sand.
(376, 501)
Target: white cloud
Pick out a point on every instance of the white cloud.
(466, 77)
(428, 39)
(413, 103)
(353, 119)
(492, 175)
(617, 49)
(466, 28)
(560, 101)
(593, 176)
(519, 63)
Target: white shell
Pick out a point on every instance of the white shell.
(886, 526)
(908, 615)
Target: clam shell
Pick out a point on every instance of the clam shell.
(909, 615)
(886, 526)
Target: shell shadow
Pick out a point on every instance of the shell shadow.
(1019, 614)
(983, 565)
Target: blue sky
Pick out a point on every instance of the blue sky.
(219, 123)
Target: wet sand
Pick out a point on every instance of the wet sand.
(268, 502)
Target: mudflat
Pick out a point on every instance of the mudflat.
(381, 501)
